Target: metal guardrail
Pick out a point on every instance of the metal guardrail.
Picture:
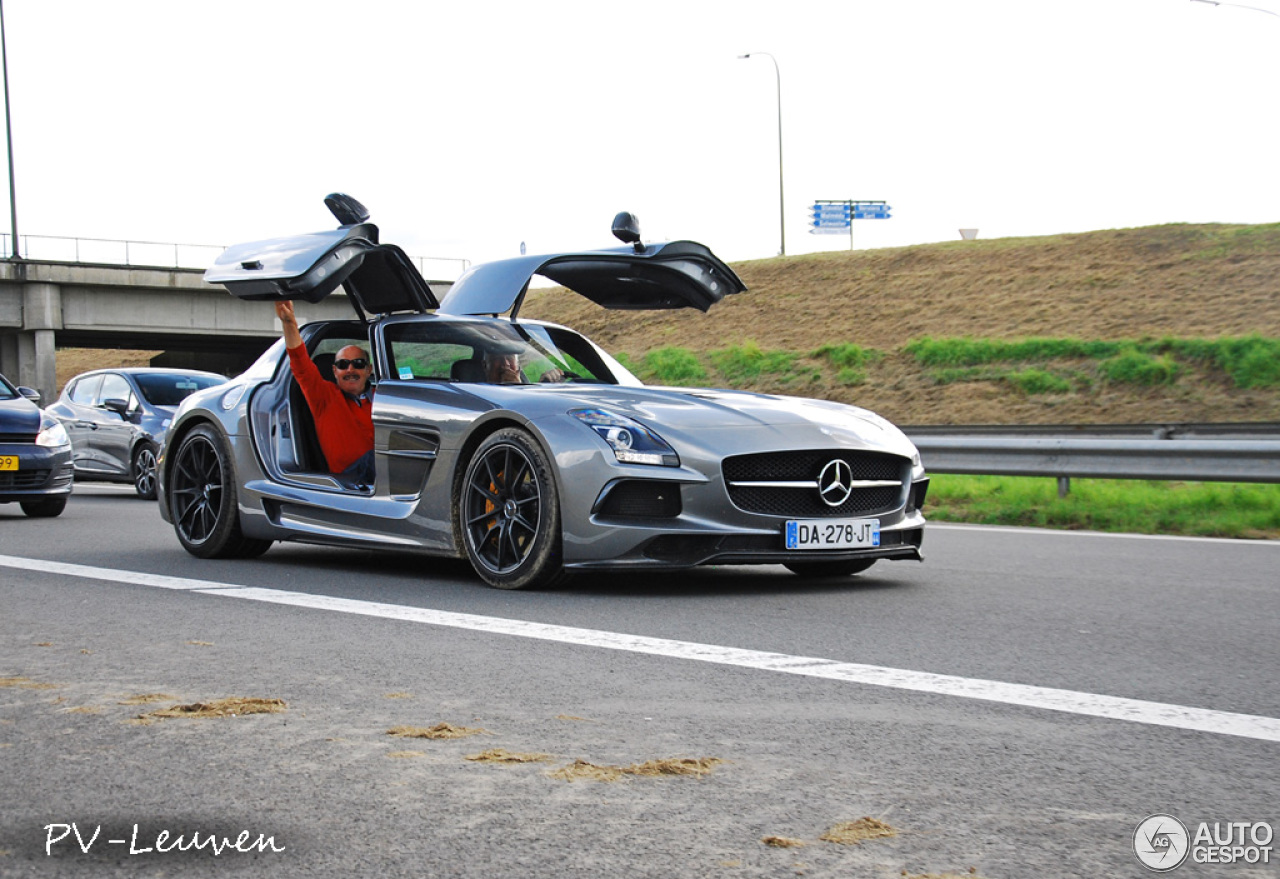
(1155, 430)
(1218, 453)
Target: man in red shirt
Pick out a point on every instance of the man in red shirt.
(343, 409)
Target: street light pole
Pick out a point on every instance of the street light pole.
(8, 133)
(782, 212)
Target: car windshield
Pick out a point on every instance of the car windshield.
(461, 351)
(167, 389)
(7, 391)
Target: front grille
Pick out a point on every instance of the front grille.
(804, 467)
(24, 478)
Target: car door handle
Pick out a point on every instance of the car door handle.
(88, 424)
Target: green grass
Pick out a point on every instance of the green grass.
(744, 365)
(1031, 366)
(1141, 368)
(737, 366)
(1038, 381)
(1209, 509)
(1249, 361)
(667, 366)
(958, 352)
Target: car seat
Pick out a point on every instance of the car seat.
(307, 440)
(324, 363)
(468, 370)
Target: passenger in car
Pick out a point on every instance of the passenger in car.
(342, 409)
(503, 368)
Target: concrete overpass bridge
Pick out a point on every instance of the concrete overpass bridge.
(46, 305)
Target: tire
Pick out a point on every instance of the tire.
(202, 499)
(829, 569)
(509, 513)
(45, 509)
(144, 471)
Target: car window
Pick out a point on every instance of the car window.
(436, 350)
(85, 390)
(572, 354)
(114, 387)
(7, 391)
(428, 359)
(169, 389)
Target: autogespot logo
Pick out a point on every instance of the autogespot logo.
(1161, 842)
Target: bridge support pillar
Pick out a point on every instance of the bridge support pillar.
(28, 359)
(32, 349)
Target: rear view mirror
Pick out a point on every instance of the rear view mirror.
(30, 393)
(116, 405)
(348, 211)
(626, 228)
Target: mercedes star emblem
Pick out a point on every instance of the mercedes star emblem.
(835, 482)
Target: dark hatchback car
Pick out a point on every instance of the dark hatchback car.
(35, 454)
(116, 419)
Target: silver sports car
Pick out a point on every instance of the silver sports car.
(568, 463)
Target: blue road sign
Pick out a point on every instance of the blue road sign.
(871, 212)
(841, 212)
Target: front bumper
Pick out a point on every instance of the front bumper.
(649, 517)
(42, 472)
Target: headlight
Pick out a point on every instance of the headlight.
(52, 434)
(631, 441)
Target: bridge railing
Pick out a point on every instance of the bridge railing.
(158, 254)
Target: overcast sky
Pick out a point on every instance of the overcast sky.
(468, 128)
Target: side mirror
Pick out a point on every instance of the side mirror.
(30, 393)
(626, 228)
(116, 405)
(348, 211)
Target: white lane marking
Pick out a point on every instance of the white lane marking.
(1012, 529)
(1090, 704)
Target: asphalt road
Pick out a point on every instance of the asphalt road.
(1013, 707)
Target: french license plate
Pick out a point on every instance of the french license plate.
(832, 533)
(8, 462)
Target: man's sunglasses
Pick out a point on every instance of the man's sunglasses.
(358, 363)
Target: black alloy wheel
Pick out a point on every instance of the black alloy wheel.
(144, 471)
(509, 513)
(202, 499)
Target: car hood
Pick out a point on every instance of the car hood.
(673, 412)
(19, 416)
